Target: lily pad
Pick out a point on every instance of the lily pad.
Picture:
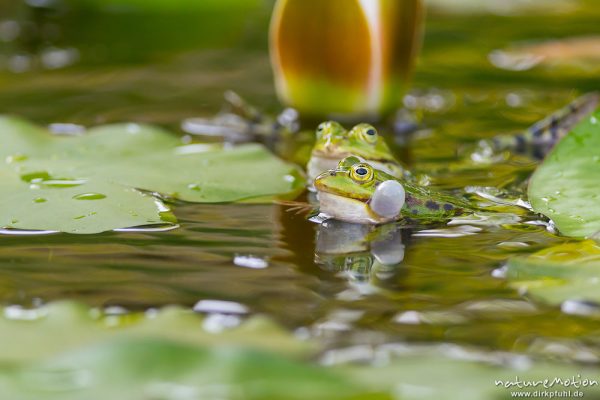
(568, 272)
(440, 374)
(62, 351)
(160, 369)
(580, 52)
(565, 187)
(92, 183)
(58, 327)
(87, 207)
(498, 7)
(66, 351)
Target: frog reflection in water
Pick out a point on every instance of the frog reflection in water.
(359, 192)
(370, 257)
(334, 143)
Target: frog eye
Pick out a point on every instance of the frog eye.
(366, 133)
(321, 128)
(328, 128)
(361, 173)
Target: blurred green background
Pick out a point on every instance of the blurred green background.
(93, 61)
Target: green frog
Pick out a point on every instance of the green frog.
(334, 142)
(357, 192)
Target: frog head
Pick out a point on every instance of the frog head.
(356, 192)
(333, 143)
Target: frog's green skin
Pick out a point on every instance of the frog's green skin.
(541, 137)
(344, 197)
(333, 143)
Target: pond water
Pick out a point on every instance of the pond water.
(445, 287)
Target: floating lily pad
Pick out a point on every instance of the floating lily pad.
(65, 351)
(581, 52)
(62, 351)
(498, 7)
(160, 369)
(569, 271)
(61, 326)
(92, 183)
(89, 206)
(436, 374)
(565, 187)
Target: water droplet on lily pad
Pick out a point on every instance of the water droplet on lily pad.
(290, 178)
(24, 232)
(66, 129)
(89, 196)
(16, 158)
(34, 177)
(64, 183)
(150, 228)
(195, 187)
(39, 200)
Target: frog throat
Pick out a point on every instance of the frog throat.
(348, 209)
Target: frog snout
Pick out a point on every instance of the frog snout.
(329, 146)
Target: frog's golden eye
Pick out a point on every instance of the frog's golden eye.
(361, 173)
(366, 133)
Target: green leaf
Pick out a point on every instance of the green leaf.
(565, 187)
(66, 353)
(430, 375)
(91, 183)
(91, 207)
(57, 327)
(159, 369)
(569, 271)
